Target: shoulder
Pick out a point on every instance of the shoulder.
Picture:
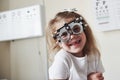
(94, 57)
(94, 60)
(59, 67)
(62, 55)
(59, 59)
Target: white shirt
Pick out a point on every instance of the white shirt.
(67, 66)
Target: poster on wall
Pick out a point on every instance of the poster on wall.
(21, 23)
(107, 14)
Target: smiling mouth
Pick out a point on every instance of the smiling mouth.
(75, 43)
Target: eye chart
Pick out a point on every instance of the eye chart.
(107, 14)
(102, 9)
(21, 23)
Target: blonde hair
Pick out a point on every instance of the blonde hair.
(90, 46)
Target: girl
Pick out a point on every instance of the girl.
(77, 57)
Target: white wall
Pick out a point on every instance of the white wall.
(5, 60)
(28, 59)
(3, 6)
(38, 45)
(11, 51)
(109, 42)
(4, 48)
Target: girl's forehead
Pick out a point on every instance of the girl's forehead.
(61, 23)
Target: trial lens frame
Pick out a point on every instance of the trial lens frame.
(68, 28)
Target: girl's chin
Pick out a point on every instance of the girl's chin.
(76, 51)
(77, 54)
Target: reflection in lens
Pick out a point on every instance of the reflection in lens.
(76, 29)
(64, 36)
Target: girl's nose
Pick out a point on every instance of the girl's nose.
(72, 36)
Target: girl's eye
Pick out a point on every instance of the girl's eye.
(64, 34)
(76, 29)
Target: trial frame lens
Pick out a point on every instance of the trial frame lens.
(64, 35)
(76, 28)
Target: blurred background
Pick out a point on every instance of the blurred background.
(27, 58)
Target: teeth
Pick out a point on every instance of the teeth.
(76, 42)
(70, 44)
(79, 41)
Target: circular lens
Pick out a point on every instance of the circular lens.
(64, 36)
(77, 29)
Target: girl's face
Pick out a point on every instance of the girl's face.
(76, 43)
